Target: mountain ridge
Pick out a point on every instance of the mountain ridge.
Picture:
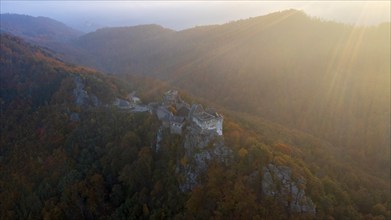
(38, 29)
(67, 156)
(317, 76)
(284, 64)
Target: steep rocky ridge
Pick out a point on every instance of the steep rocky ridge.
(315, 76)
(199, 150)
(277, 181)
(100, 164)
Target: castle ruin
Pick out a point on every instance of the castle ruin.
(175, 113)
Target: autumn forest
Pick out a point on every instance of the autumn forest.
(306, 120)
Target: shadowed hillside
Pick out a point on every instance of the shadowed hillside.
(124, 48)
(42, 31)
(37, 29)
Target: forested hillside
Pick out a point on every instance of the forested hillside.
(67, 155)
(328, 79)
(331, 80)
(37, 29)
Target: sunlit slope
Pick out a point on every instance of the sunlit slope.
(72, 158)
(328, 79)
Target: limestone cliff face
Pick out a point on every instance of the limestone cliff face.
(202, 139)
(200, 149)
(82, 98)
(81, 95)
(278, 182)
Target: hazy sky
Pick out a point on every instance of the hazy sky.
(89, 15)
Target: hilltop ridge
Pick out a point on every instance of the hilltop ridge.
(308, 74)
(306, 128)
(37, 29)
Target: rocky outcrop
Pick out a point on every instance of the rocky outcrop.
(278, 182)
(132, 103)
(82, 98)
(74, 117)
(159, 138)
(200, 149)
(81, 95)
(201, 132)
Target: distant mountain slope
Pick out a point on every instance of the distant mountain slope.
(328, 79)
(124, 47)
(38, 29)
(42, 31)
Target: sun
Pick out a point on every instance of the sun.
(374, 11)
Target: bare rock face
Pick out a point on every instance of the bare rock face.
(82, 98)
(202, 134)
(277, 182)
(200, 149)
(74, 117)
(81, 95)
